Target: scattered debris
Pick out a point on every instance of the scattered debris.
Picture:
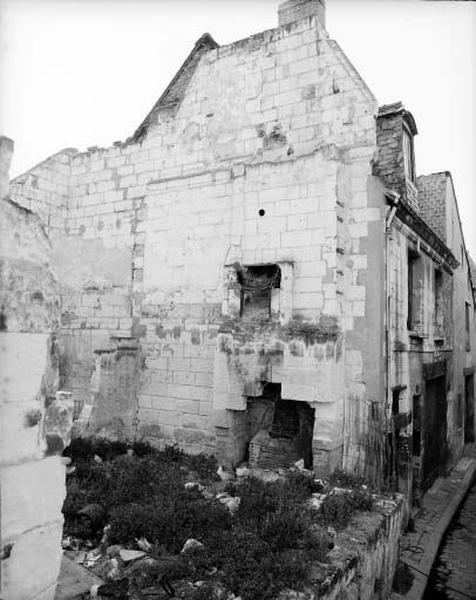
(231, 502)
(130, 555)
(225, 475)
(144, 544)
(80, 557)
(92, 558)
(192, 545)
(194, 485)
(70, 543)
(315, 501)
(243, 471)
(299, 464)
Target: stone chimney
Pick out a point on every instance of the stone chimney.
(295, 10)
(6, 153)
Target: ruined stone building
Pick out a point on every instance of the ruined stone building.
(35, 418)
(259, 273)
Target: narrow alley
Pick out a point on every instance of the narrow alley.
(453, 576)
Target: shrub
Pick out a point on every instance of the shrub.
(403, 579)
(337, 509)
(266, 546)
(347, 480)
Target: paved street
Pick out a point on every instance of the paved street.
(453, 576)
(419, 547)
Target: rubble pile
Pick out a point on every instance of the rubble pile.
(198, 532)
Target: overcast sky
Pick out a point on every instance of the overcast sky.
(83, 73)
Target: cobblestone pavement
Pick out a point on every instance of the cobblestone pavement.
(453, 576)
(419, 548)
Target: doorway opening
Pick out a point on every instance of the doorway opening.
(280, 431)
(469, 409)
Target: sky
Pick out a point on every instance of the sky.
(79, 73)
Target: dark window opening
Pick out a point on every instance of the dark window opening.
(408, 155)
(469, 409)
(395, 402)
(438, 308)
(416, 439)
(257, 284)
(412, 309)
(466, 326)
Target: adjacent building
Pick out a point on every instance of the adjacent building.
(259, 273)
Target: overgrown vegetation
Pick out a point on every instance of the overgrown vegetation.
(265, 546)
(298, 328)
(403, 579)
(338, 508)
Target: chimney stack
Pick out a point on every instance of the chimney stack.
(6, 153)
(295, 10)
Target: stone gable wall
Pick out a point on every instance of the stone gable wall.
(279, 122)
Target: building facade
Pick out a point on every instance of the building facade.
(253, 272)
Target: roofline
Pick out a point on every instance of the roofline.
(466, 254)
(204, 40)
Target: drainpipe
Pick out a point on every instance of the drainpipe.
(393, 198)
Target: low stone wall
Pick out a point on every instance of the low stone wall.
(365, 555)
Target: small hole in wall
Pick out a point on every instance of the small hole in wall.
(261, 212)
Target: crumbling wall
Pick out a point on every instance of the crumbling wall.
(35, 419)
(265, 160)
(44, 189)
(272, 162)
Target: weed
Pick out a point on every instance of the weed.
(265, 547)
(347, 480)
(338, 508)
(403, 579)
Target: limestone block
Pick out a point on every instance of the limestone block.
(19, 393)
(34, 563)
(32, 494)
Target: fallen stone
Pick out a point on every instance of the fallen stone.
(92, 558)
(70, 543)
(73, 580)
(144, 544)
(130, 555)
(231, 502)
(243, 471)
(192, 545)
(194, 485)
(225, 475)
(315, 501)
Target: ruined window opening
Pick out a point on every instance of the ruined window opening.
(466, 326)
(257, 284)
(438, 298)
(408, 155)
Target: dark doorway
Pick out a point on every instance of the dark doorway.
(434, 435)
(469, 409)
(279, 431)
